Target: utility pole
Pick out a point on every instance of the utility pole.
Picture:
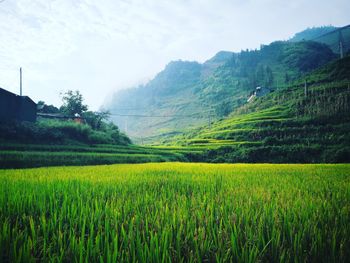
(20, 81)
(341, 39)
(209, 119)
(305, 88)
(126, 124)
(341, 49)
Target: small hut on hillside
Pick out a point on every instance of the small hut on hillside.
(258, 92)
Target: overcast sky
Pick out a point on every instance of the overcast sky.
(99, 46)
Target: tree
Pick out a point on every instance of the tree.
(73, 103)
(44, 108)
(96, 118)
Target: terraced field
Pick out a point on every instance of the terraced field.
(34, 155)
(284, 126)
(176, 212)
(221, 132)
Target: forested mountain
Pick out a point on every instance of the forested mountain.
(296, 123)
(189, 93)
(312, 33)
(329, 35)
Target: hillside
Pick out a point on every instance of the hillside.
(329, 35)
(312, 33)
(287, 125)
(186, 94)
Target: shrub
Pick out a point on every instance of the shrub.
(53, 131)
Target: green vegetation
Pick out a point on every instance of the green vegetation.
(13, 159)
(312, 33)
(332, 38)
(176, 212)
(286, 125)
(68, 139)
(64, 141)
(73, 103)
(38, 155)
(71, 124)
(189, 92)
(61, 132)
(328, 35)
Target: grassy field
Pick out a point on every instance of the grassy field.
(176, 212)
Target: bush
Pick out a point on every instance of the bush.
(53, 132)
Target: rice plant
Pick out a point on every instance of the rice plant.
(176, 212)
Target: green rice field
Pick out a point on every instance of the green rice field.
(176, 212)
(36, 155)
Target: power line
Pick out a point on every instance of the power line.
(331, 32)
(156, 116)
(129, 108)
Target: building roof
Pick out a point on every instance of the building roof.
(8, 93)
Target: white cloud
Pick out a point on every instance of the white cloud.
(99, 46)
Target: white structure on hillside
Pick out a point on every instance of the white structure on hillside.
(259, 92)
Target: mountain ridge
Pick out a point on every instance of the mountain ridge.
(214, 88)
(292, 124)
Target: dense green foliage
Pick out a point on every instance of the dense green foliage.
(64, 124)
(13, 159)
(312, 33)
(331, 36)
(287, 125)
(60, 132)
(48, 109)
(37, 155)
(175, 213)
(73, 103)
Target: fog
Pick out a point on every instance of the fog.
(98, 47)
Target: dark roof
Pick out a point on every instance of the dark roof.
(27, 99)
(8, 93)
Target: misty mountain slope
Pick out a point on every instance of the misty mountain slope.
(168, 94)
(188, 92)
(329, 35)
(312, 33)
(286, 125)
(271, 66)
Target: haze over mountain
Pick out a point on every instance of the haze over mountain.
(100, 46)
(295, 123)
(187, 94)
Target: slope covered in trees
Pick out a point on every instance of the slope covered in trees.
(291, 124)
(312, 33)
(328, 35)
(187, 93)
